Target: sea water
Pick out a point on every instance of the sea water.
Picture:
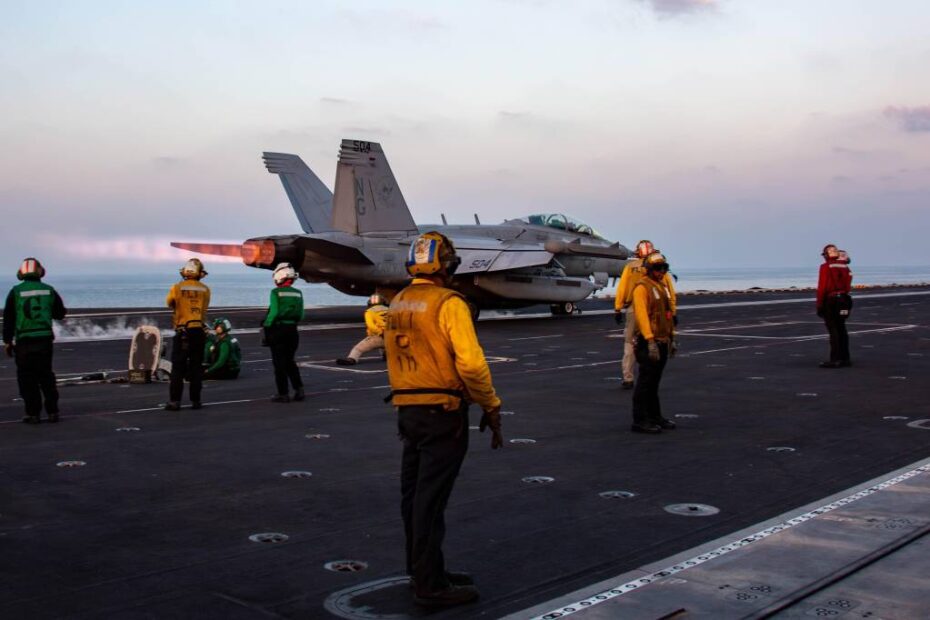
(251, 287)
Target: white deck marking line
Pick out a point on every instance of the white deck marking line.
(622, 589)
(752, 326)
(895, 328)
(220, 402)
(491, 359)
(535, 337)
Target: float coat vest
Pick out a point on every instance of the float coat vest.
(34, 302)
(224, 353)
(653, 309)
(375, 318)
(420, 357)
(189, 299)
(285, 307)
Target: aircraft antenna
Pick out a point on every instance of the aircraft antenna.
(477, 221)
(444, 222)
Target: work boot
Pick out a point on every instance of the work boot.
(31, 419)
(830, 364)
(646, 427)
(298, 395)
(280, 398)
(53, 418)
(346, 361)
(451, 596)
(627, 385)
(196, 404)
(173, 406)
(845, 364)
(667, 425)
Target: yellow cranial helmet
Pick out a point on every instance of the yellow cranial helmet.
(193, 268)
(657, 261)
(430, 253)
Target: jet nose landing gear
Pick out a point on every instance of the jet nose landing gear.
(564, 308)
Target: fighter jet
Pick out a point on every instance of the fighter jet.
(356, 240)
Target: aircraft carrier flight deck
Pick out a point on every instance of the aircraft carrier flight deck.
(786, 488)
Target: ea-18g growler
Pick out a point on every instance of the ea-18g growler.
(356, 240)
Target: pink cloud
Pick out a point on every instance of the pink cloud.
(912, 120)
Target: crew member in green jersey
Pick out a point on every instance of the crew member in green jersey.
(222, 357)
(285, 311)
(27, 335)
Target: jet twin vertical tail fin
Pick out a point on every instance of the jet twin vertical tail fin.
(311, 199)
(367, 198)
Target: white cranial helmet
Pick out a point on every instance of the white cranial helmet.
(284, 272)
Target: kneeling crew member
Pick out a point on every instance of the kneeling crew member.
(655, 333)
(436, 367)
(27, 334)
(375, 317)
(222, 356)
(834, 304)
(190, 299)
(285, 311)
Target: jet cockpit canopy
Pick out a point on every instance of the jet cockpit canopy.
(561, 222)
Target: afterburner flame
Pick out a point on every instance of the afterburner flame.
(141, 249)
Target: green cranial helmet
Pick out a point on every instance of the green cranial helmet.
(222, 326)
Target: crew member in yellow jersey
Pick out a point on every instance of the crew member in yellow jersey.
(189, 299)
(375, 318)
(436, 368)
(653, 344)
(624, 315)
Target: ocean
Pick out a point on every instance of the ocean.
(250, 287)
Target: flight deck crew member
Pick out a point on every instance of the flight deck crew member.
(624, 315)
(285, 311)
(834, 304)
(222, 356)
(436, 368)
(27, 334)
(654, 343)
(189, 299)
(375, 316)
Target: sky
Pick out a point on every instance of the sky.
(729, 132)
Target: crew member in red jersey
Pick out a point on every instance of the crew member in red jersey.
(834, 304)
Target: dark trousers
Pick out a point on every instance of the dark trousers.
(34, 375)
(187, 361)
(836, 326)
(435, 443)
(646, 407)
(283, 341)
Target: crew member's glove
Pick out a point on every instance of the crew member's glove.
(653, 348)
(492, 418)
(8, 348)
(619, 319)
(673, 347)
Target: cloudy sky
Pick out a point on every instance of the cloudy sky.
(730, 132)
